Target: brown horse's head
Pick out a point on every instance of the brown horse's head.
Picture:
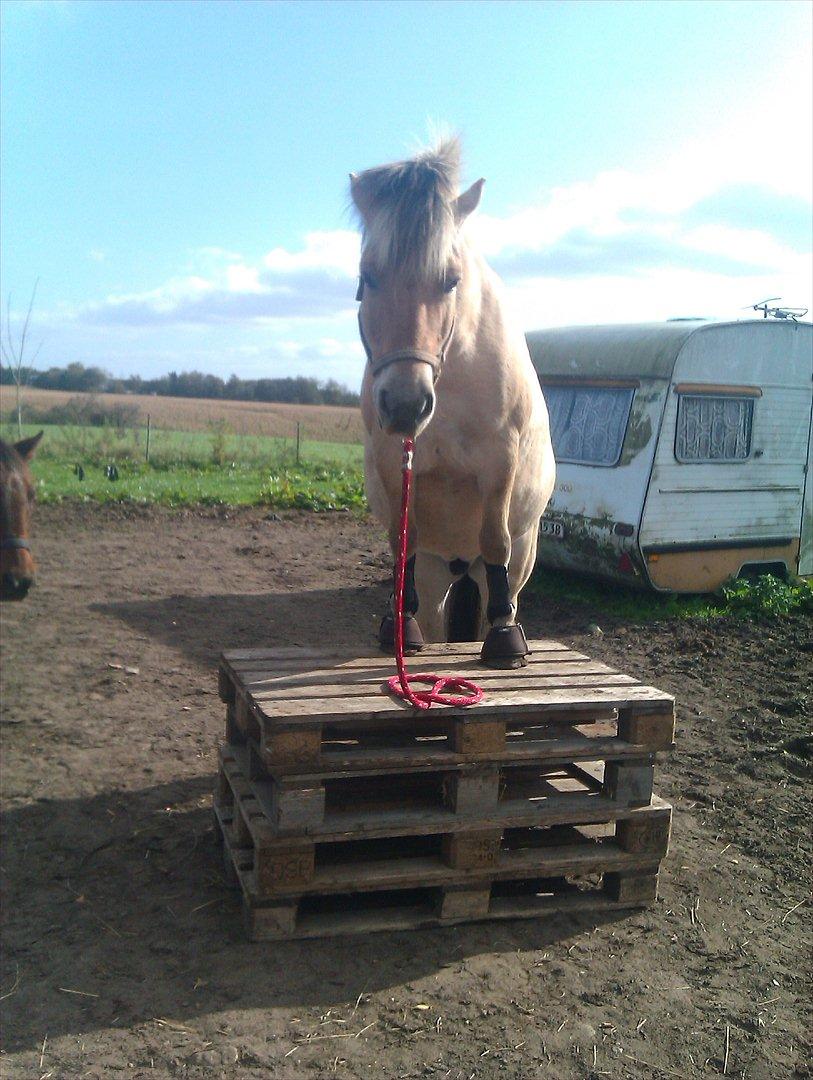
(16, 497)
(411, 265)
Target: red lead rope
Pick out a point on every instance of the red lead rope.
(399, 684)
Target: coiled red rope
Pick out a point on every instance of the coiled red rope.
(440, 684)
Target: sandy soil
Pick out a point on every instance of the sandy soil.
(124, 952)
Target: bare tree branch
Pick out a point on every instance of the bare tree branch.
(15, 355)
(27, 318)
(8, 329)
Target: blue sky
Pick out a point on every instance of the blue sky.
(175, 173)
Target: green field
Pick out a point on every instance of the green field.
(193, 449)
(194, 467)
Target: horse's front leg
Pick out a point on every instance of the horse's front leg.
(505, 644)
(413, 638)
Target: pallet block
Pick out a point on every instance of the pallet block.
(343, 810)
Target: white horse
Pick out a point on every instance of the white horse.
(446, 364)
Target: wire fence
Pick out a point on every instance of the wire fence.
(155, 430)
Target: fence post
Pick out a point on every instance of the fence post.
(147, 451)
(298, 439)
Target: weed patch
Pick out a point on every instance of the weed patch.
(762, 598)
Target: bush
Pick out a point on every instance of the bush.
(768, 596)
(86, 410)
(219, 434)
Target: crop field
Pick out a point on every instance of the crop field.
(322, 423)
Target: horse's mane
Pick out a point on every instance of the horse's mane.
(408, 219)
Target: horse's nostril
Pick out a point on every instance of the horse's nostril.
(426, 407)
(383, 403)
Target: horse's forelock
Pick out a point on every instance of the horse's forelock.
(410, 221)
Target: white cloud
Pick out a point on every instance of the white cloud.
(311, 283)
(242, 278)
(717, 224)
(334, 251)
(727, 211)
(613, 229)
(712, 226)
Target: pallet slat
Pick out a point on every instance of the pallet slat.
(293, 711)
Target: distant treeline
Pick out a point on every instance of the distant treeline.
(77, 378)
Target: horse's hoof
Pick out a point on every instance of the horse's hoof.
(413, 638)
(505, 647)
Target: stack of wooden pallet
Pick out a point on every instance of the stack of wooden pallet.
(341, 810)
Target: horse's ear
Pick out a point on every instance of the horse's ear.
(26, 447)
(468, 202)
(360, 194)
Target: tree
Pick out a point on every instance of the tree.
(14, 354)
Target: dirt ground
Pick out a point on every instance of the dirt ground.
(124, 952)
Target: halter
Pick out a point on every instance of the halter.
(15, 542)
(434, 360)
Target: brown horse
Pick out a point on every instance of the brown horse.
(17, 569)
(446, 364)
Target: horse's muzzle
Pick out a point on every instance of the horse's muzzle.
(401, 414)
(14, 587)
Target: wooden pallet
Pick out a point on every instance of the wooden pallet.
(426, 802)
(320, 712)
(473, 837)
(361, 887)
(342, 810)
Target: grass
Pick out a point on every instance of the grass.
(759, 599)
(98, 446)
(212, 468)
(310, 486)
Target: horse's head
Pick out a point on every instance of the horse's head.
(16, 497)
(411, 266)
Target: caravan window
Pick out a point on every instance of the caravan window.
(588, 423)
(713, 428)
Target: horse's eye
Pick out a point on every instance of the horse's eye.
(450, 284)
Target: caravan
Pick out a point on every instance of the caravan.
(683, 450)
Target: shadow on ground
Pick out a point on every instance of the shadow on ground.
(203, 626)
(136, 900)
